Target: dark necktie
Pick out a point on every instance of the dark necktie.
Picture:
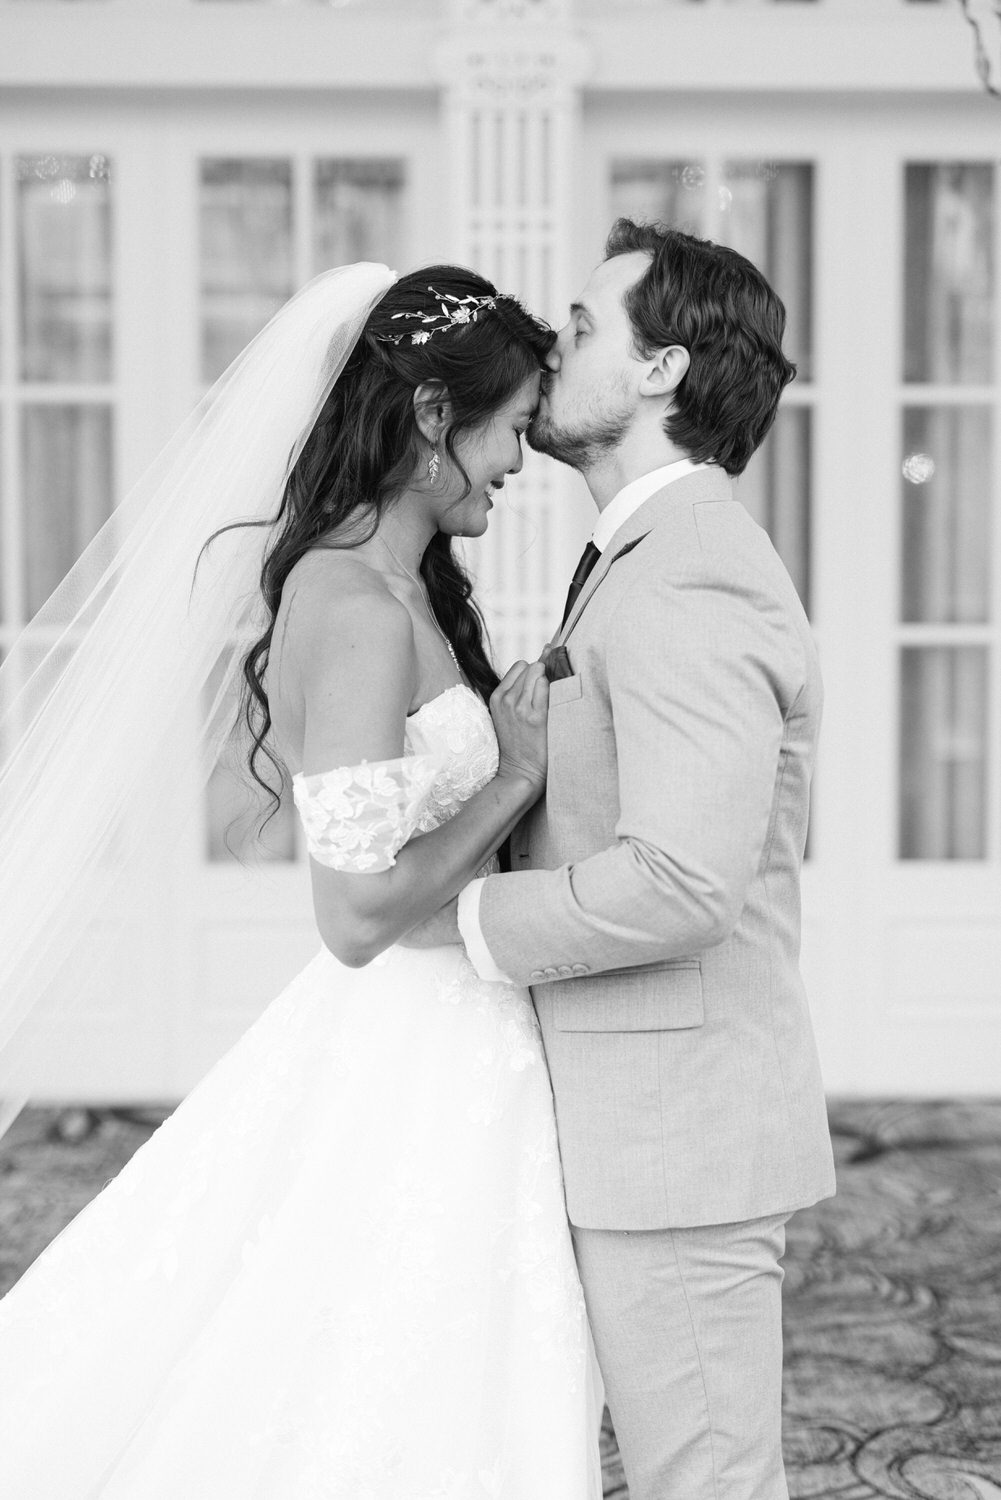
(588, 559)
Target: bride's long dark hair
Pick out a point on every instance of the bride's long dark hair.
(366, 447)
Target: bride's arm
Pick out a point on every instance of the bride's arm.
(356, 668)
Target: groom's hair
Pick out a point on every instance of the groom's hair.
(717, 305)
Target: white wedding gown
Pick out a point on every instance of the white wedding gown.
(341, 1270)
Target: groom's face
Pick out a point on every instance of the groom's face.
(590, 396)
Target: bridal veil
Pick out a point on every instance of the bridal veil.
(117, 698)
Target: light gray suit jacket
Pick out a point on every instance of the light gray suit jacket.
(654, 902)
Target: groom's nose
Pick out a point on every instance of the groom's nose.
(553, 357)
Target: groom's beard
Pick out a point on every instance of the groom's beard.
(583, 444)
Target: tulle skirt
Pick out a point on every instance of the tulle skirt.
(342, 1268)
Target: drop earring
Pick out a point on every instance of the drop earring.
(434, 465)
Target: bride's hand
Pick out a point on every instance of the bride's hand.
(519, 706)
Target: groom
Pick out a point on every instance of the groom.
(653, 904)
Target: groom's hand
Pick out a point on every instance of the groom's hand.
(436, 931)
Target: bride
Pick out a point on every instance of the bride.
(342, 1268)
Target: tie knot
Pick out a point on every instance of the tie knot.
(588, 558)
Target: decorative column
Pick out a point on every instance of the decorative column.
(511, 72)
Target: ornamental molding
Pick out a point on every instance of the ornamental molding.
(511, 68)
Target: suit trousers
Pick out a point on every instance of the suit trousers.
(687, 1326)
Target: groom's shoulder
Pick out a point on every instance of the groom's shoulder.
(711, 531)
(694, 528)
(697, 530)
(708, 548)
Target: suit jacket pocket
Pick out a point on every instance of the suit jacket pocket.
(666, 998)
(564, 690)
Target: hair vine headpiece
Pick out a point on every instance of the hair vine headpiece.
(462, 310)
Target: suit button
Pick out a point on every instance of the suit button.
(580, 969)
(551, 973)
(537, 974)
(565, 971)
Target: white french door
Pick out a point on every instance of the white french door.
(132, 269)
(271, 203)
(880, 486)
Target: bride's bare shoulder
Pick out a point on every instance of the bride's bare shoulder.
(334, 586)
(332, 597)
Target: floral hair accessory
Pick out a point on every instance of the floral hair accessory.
(461, 310)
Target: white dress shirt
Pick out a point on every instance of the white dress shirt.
(616, 513)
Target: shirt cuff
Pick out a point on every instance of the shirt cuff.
(472, 934)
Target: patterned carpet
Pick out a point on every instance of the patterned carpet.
(892, 1294)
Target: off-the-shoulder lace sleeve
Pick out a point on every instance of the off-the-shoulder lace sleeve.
(357, 818)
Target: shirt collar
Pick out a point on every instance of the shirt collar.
(631, 497)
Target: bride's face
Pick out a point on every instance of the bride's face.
(488, 454)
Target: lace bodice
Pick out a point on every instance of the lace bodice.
(357, 818)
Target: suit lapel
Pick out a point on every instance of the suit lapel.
(706, 484)
(610, 555)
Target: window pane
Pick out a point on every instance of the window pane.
(948, 276)
(767, 214)
(64, 212)
(357, 212)
(671, 191)
(68, 490)
(246, 249)
(775, 488)
(943, 723)
(946, 531)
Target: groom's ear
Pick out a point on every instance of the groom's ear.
(432, 409)
(665, 371)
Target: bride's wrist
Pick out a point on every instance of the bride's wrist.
(528, 784)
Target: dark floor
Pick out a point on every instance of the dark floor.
(892, 1293)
